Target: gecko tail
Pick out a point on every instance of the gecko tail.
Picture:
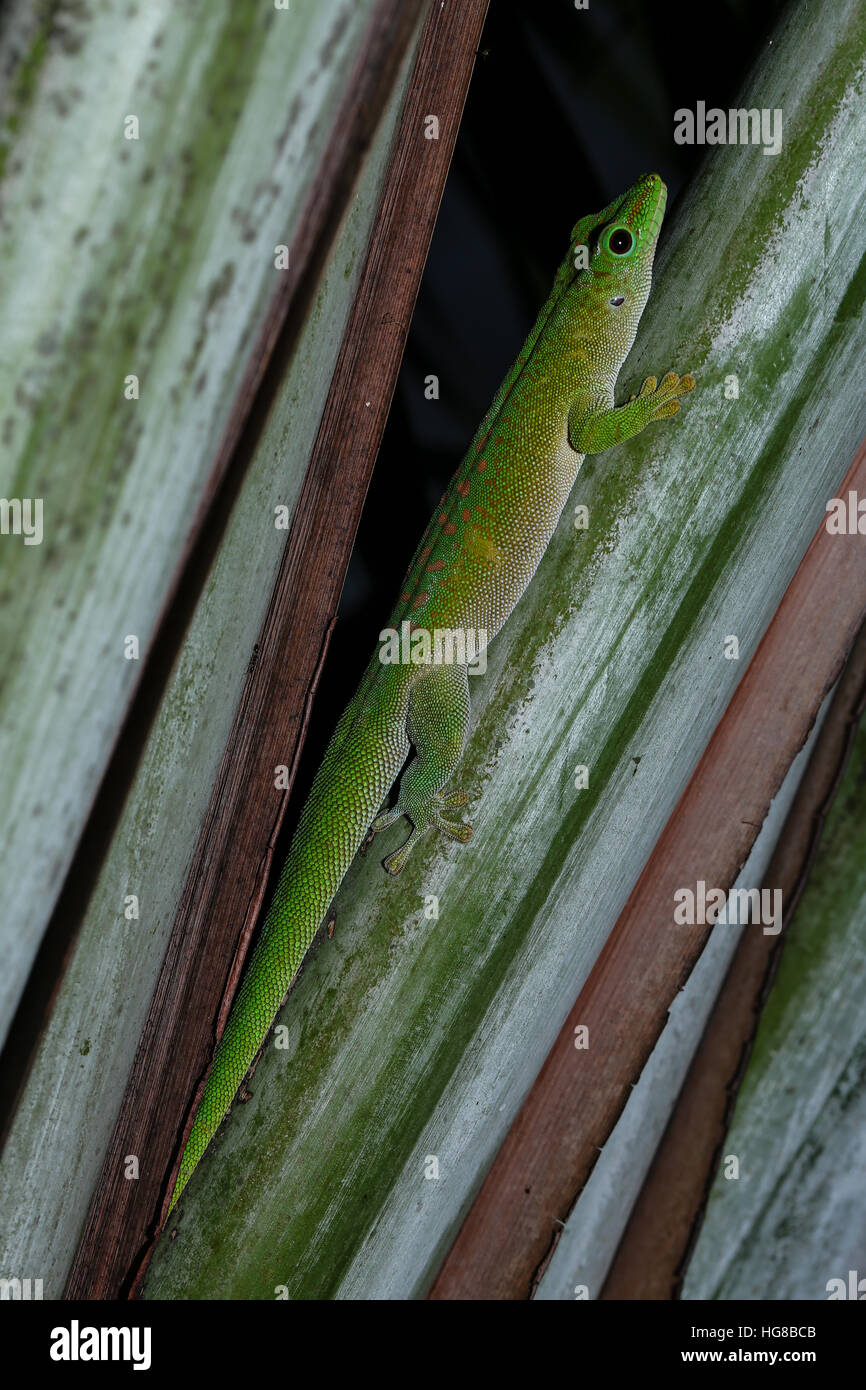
(361, 765)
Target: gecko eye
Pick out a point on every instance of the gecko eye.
(620, 241)
(620, 299)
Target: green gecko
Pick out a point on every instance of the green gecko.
(475, 559)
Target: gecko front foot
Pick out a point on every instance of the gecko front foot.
(594, 429)
(664, 394)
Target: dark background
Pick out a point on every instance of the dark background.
(565, 109)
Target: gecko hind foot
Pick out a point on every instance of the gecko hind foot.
(454, 829)
(431, 818)
(458, 798)
(382, 822)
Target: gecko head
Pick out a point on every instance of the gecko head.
(621, 241)
(626, 232)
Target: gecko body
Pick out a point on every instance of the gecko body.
(477, 556)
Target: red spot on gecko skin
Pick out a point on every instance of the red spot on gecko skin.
(463, 488)
(421, 599)
(482, 464)
(443, 519)
(466, 514)
(404, 598)
(424, 553)
(450, 528)
(436, 565)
